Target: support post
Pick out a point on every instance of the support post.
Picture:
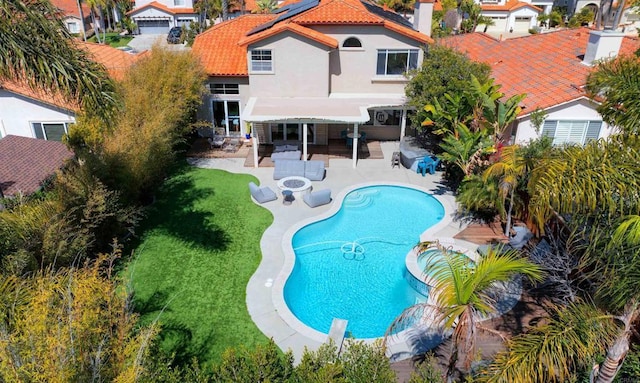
(355, 145)
(403, 124)
(254, 136)
(304, 141)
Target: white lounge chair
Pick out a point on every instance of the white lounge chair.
(318, 198)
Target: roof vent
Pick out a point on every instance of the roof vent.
(602, 45)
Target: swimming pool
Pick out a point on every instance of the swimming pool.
(352, 264)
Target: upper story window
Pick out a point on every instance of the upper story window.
(178, 3)
(571, 132)
(51, 131)
(73, 27)
(261, 60)
(352, 42)
(224, 88)
(396, 61)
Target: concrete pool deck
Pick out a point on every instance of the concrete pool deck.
(340, 177)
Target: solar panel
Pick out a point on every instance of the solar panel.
(293, 10)
(391, 16)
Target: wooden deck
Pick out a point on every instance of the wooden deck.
(483, 234)
(335, 149)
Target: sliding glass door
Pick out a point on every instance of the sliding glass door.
(292, 132)
(226, 114)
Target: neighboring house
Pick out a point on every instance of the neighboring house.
(38, 113)
(158, 17)
(629, 20)
(71, 16)
(28, 162)
(311, 70)
(512, 15)
(551, 68)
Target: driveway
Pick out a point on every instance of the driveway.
(145, 42)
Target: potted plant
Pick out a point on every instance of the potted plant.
(248, 130)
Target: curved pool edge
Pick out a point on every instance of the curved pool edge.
(289, 256)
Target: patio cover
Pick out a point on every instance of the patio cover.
(336, 108)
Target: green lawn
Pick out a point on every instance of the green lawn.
(200, 244)
(113, 39)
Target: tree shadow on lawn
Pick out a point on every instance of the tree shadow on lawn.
(175, 213)
(176, 339)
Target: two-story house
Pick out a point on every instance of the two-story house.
(73, 21)
(510, 16)
(158, 17)
(311, 70)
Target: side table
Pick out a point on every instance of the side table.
(287, 197)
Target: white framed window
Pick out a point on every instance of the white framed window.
(394, 62)
(571, 131)
(178, 3)
(226, 114)
(261, 61)
(224, 88)
(50, 131)
(72, 27)
(292, 132)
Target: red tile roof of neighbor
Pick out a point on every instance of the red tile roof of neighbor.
(27, 162)
(223, 52)
(162, 7)
(547, 67)
(115, 61)
(70, 8)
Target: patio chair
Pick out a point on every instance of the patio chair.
(428, 163)
(318, 198)
(262, 194)
(521, 237)
(216, 142)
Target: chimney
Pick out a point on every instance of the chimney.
(422, 15)
(602, 45)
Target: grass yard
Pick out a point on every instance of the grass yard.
(200, 244)
(113, 39)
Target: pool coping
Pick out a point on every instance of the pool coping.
(279, 282)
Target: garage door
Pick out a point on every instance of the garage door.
(500, 24)
(156, 27)
(522, 24)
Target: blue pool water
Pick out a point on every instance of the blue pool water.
(352, 265)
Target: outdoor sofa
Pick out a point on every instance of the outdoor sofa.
(313, 170)
(286, 152)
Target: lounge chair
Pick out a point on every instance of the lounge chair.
(317, 198)
(520, 238)
(262, 194)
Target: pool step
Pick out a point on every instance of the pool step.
(360, 198)
(337, 332)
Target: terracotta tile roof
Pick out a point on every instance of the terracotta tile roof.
(162, 7)
(338, 12)
(547, 67)
(222, 48)
(218, 47)
(115, 61)
(26, 162)
(510, 5)
(295, 28)
(70, 8)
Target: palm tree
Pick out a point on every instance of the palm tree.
(266, 6)
(466, 149)
(81, 12)
(36, 49)
(511, 168)
(461, 294)
(616, 83)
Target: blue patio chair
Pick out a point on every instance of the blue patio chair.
(349, 142)
(428, 164)
(343, 134)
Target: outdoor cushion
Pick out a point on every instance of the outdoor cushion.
(291, 148)
(279, 148)
(314, 170)
(317, 198)
(288, 168)
(295, 155)
(262, 194)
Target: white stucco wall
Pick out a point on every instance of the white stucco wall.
(18, 112)
(581, 109)
(300, 68)
(354, 70)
